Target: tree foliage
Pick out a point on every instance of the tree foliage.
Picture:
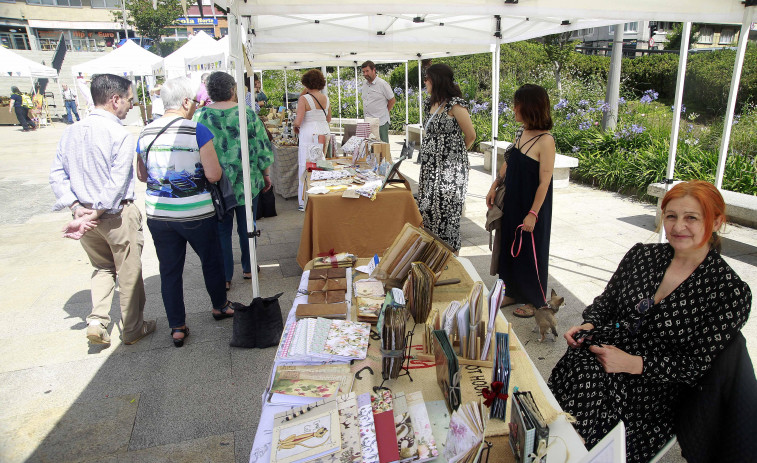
(674, 36)
(559, 49)
(150, 22)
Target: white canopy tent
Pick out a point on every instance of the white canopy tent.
(14, 65)
(295, 33)
(128, 59)
(198, 50)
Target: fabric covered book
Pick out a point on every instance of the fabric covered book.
(302, 434)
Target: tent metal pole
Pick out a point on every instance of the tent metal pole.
(420, 105)
(286, 92)
(735, 80)
(236, 39)
(339, 93)
(407, 105)
(683, 58)
(495, 106)
(357, 100)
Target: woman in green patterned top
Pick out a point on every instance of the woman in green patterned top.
(222, 118)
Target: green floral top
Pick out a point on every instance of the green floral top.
(224, 123)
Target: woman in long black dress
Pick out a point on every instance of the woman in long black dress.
(527, 173)
(444, 156)
(665, 315)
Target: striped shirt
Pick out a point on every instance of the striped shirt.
(177, 189)
(94, 164)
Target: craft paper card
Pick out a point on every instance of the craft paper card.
(347, 339)
(348, 424)
(368, 444)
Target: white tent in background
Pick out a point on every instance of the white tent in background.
(128, 59)
(197, 50)
(14, 65)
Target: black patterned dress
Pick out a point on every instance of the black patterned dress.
(444, 174)
(678, 339)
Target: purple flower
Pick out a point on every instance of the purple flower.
(584, 125)
(603, 106)
(575, 149)
(561, 104)
(503, 108)
(621, 100)
(398, 91)
(637, 128)
(649, 96)
(569, 116)
(583, 103)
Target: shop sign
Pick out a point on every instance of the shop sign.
(91, 34)
(197, 21)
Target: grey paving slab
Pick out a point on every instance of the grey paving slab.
(215, 448)
(243, 440)
(192, 411)
(289, 267)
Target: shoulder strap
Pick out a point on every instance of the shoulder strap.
(319, 104)
(533, 139)
(147, 151)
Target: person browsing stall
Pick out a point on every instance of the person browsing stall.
(450, 133)
(665, 315)
(527, 178)
(177, 159)
(222, 118)
(69, 99)
(93, 175)
(313, 117)
(378, 98)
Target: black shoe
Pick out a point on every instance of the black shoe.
(179, 342)
(225, 311)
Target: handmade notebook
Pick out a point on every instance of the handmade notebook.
(404, 428)
(500, 376)
(419, 288)
(391, 329)
(306, 433)
(348, 425)
(424, 437)
(413, 244)
(447, 369)
(369, 294)
(321, 310)
(528, 429)
(368, 444)
(304, 384)
(465, 439)
(386, 435)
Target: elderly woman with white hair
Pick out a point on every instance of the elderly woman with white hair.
(177, 160)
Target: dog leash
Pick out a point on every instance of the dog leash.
(533, 246)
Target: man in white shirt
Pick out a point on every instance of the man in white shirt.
(378, 99)
(69, 99)
(93, 175)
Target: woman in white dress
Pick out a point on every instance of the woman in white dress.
(313, 117)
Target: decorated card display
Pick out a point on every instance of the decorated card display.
(302, 434)
(465, 439)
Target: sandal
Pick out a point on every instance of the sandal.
(248, 276)
(178, 342)
(523, 312)
(224, 312)
(228, 285)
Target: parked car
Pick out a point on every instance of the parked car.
(143, 42)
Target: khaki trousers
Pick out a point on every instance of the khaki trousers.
(114, 249)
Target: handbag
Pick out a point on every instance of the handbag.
(266, 204)
(222, 194)
(258, 325)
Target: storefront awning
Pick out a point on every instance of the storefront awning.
(76, 25)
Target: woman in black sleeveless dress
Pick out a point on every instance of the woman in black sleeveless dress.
(527, 174)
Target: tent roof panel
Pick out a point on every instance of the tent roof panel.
(129, 58)
(15, 65)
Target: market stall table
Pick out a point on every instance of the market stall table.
(358, 226)
(284, 170)
(568, 448)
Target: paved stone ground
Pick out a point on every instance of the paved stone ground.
(63, 400)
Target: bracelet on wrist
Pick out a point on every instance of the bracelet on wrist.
(535, 214)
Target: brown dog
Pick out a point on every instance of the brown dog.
(546, 319)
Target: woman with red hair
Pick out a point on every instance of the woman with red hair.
(665, 315)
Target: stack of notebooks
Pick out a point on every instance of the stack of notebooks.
(419, 288)
(329, 294)
(413, 244)
(391, 330)
(303, 384)
(465, 439)
(501, 373)
(369, 294)
(528, 429)
(323, 338)
(350, 429)
(342, 259)
(447, 369)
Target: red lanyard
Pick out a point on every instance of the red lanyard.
(516, 254)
